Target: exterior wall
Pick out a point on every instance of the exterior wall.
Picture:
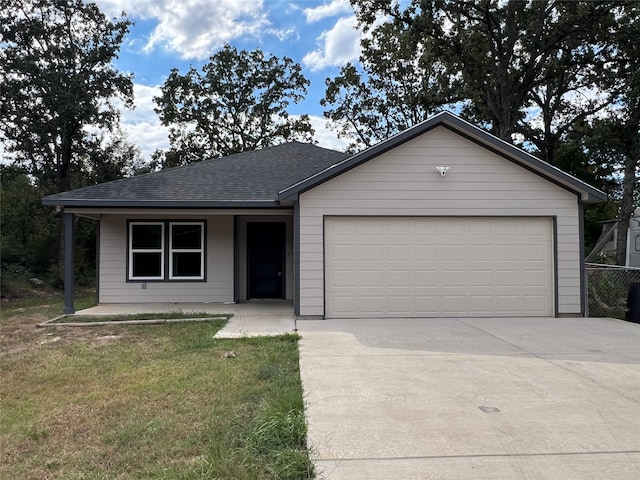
(114, 287)
(404, 181)
(241, 286)
(633, 241)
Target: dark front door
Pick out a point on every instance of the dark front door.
(265, 259)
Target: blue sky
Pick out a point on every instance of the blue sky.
(320, 35)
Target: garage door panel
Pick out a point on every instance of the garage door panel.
(399, 252)
(410, 266)
(425, 278)
(399, 278)
(425, 253)
(534, 278)
(345, 278)
(371, 278)
(481, 278)
(455, 304)
(371, 305)
(452, 227)
(481, 252)
(400, 305)
(344, 252)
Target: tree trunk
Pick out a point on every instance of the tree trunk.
(626, 206)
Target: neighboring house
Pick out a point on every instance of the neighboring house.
(442, 220)
(606, 244)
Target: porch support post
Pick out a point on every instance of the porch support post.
(68, 263)
(296, 258)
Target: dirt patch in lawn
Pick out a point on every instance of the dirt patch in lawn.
(101, 402)
(19, 334)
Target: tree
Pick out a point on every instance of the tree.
(522, 68)
(613, 141)
(621, 140)
(396, 89)
(238, 102)
(56, 82)
(56, 78)
(627, 124)
(110, 158)
(21, 215)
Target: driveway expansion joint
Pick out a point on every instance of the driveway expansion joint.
(478, 455)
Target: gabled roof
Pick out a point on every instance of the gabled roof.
(464, 128)
(267, 177)
(246, 179)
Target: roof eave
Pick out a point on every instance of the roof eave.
(587, 193)
(99, 203)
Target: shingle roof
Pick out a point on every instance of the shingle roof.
(253, 177)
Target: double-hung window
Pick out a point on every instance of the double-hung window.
(166, 250)
(146, 250)
(186, 250)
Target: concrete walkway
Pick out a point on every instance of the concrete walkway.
(473, 398)
(250, 319)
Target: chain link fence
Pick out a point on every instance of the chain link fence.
(607, 289)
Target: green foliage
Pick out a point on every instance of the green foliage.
(521, 68)
(28, 233)
(606, 151)
(396, 88)
(237, 103)
(56, 77)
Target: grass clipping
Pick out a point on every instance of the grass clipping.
(162, 402)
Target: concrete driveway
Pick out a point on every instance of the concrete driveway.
(536, 398)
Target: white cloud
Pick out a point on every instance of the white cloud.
(283, 34)
(326, 137)
(339, 45)
(142, 126)
(194, 28)
(336, 7)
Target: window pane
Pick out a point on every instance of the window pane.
(147, 264)
(186, 236)
(186, 264)
(146, 236)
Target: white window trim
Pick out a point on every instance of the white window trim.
(160, 250)
(186, 250)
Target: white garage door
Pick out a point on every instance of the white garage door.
(438, 267)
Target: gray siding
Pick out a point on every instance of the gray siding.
(404, 182)
(113, 264)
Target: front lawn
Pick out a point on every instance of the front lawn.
(148, 402)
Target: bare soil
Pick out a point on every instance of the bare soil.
(20, 333)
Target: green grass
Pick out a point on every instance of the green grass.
(151, 402)
(48, 307)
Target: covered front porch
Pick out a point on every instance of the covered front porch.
(188, 259)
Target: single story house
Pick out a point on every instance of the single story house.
(441, 220)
